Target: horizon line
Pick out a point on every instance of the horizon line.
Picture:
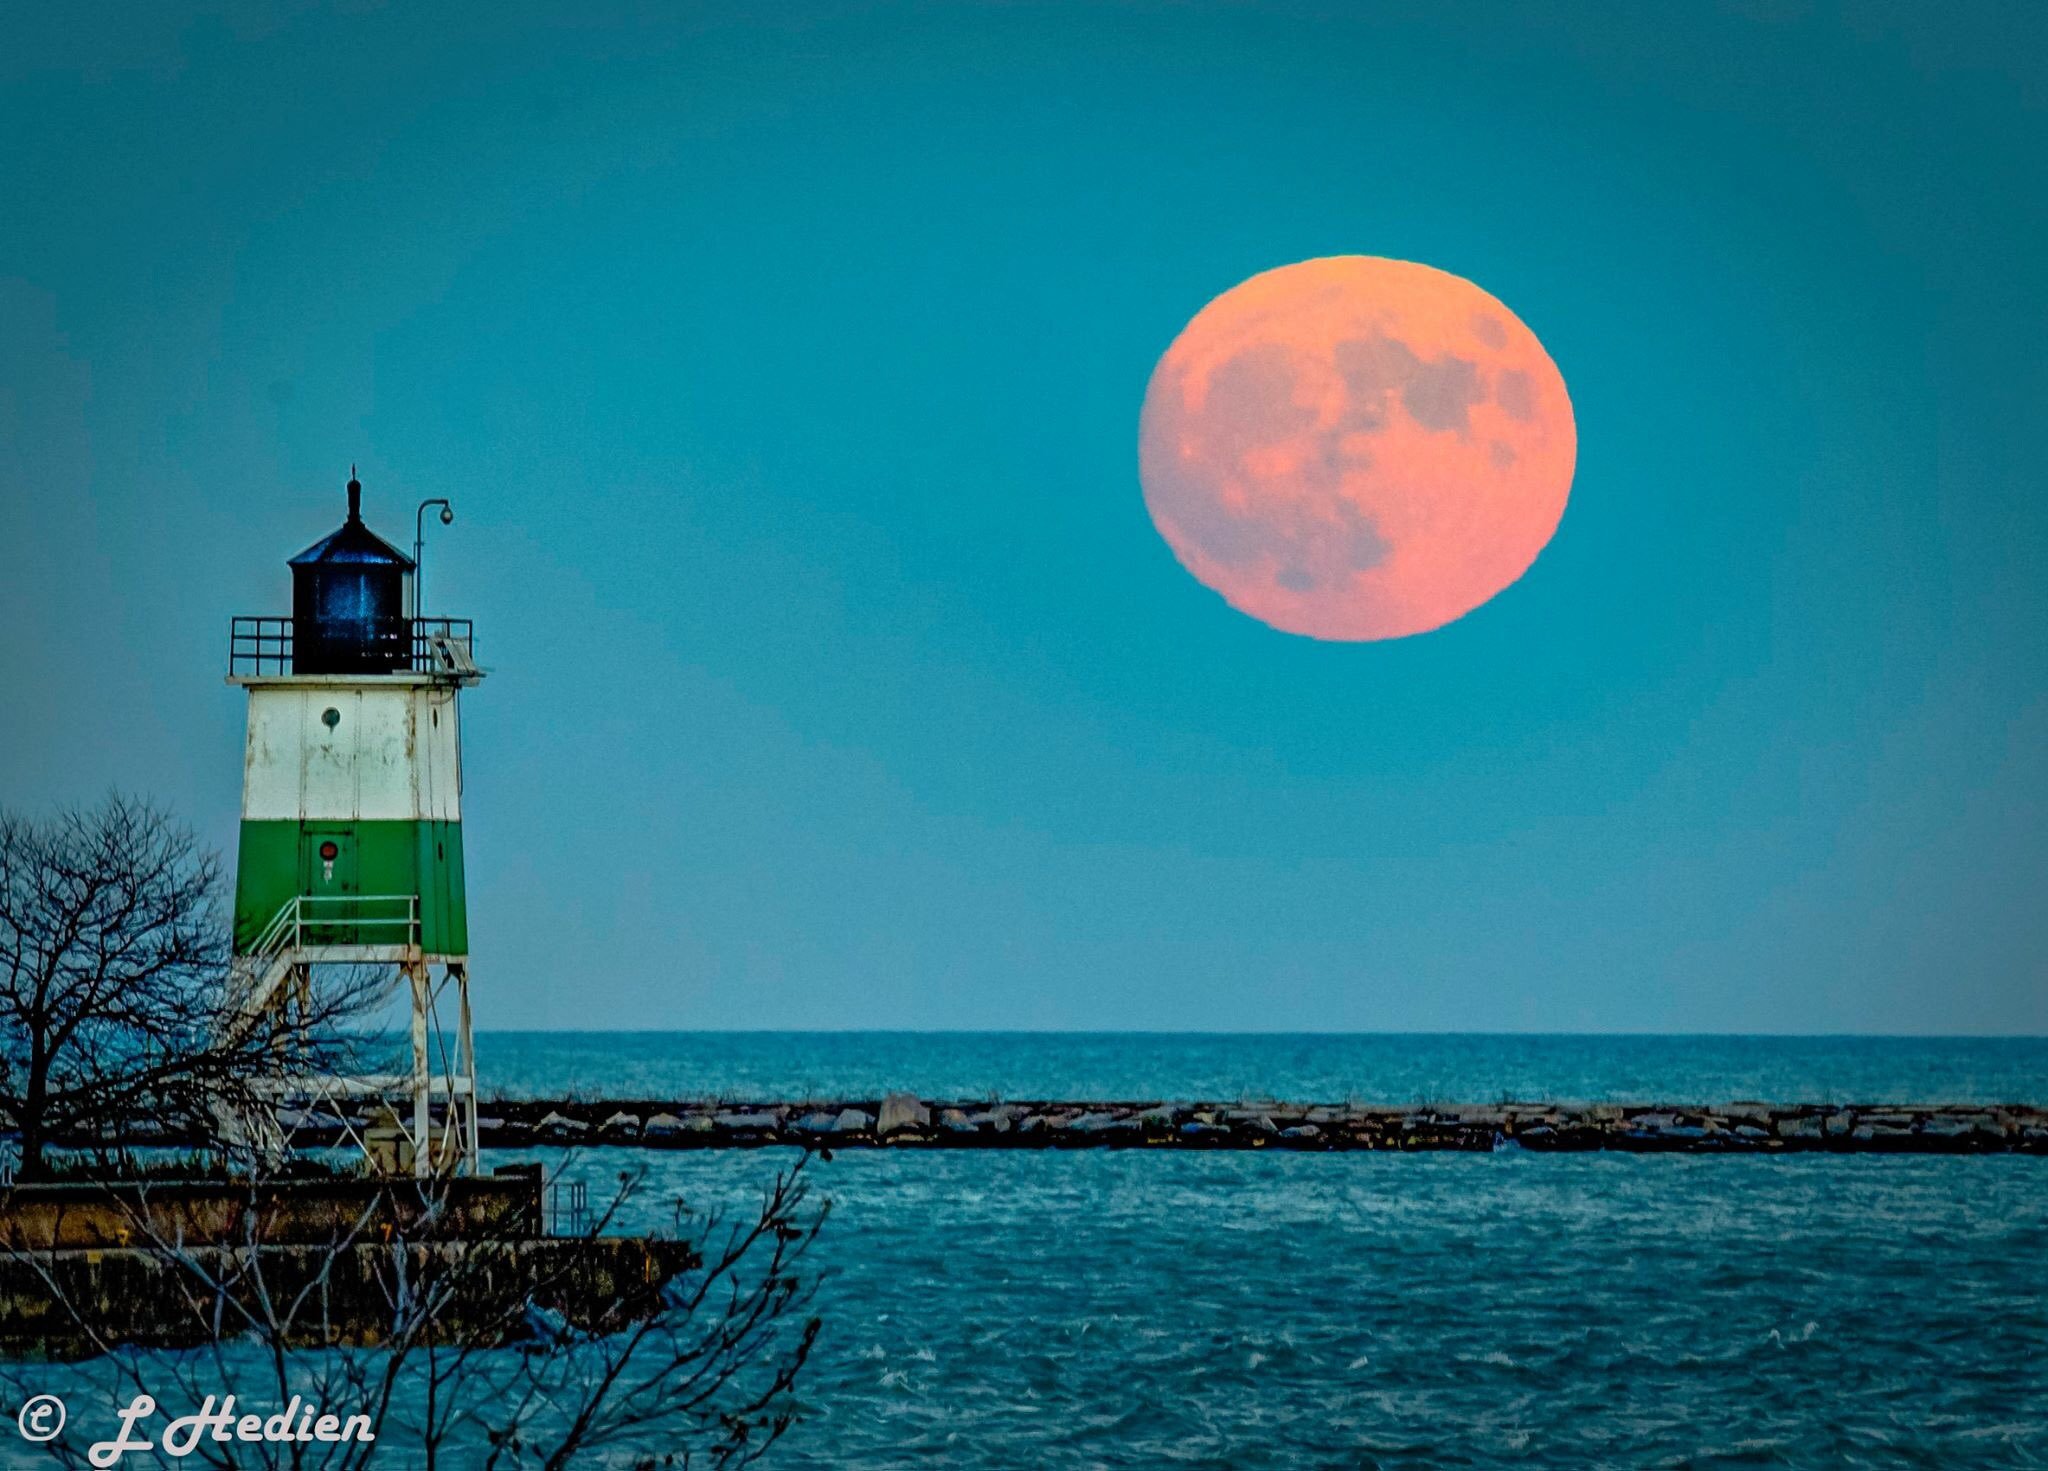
(1261, 1032)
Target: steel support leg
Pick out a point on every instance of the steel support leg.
(422, 1122)
(465, 1053)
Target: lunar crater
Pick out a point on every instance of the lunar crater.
(1435, 392)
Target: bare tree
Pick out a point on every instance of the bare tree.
(114, 982)
(690, 1355)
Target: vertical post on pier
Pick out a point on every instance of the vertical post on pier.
(422, 1136)
(465, 1048)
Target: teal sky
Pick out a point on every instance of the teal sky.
(784, 364)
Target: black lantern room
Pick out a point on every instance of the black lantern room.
(348, 601)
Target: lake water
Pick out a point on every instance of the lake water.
(1138, 1309)
(1232, 1310)
(1471, 1068)
(1082, 1309)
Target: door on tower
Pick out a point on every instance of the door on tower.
(327, 883)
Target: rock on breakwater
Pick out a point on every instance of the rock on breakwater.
(905, 1121)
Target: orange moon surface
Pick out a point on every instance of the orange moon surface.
(1356, 448)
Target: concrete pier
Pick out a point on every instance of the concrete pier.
(139, 1297)
(133, 1259)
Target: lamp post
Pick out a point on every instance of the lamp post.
(419, 548)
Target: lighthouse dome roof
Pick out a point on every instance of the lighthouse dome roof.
(353, 543)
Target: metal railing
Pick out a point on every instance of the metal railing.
(443, 645)
(308, 920)
(568, 1212)
(261, 644)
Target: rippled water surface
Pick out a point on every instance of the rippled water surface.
(1242, 1310)
(1141, 1309)
(1237, 1310)
(1474, 1068)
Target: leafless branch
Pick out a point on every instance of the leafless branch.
(699, 1367)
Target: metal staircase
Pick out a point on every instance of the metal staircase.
(363, 929)
(321, 929)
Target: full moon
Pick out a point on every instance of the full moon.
(1356, 448)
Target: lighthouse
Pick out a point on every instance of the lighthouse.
(350, 850)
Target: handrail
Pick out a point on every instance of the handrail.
(287, 928)
(262, 644)
(259, 645)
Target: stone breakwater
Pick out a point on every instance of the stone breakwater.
(904, 1121)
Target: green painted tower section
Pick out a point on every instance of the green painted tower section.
(277, 860)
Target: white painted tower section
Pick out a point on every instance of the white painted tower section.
(392, 753)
